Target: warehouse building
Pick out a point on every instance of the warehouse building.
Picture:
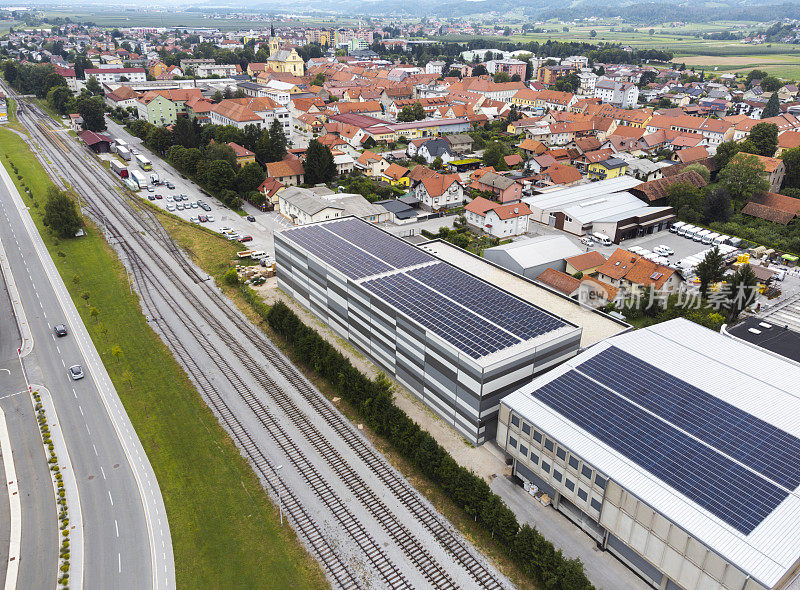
(676, 448)
(457, 342)
(531, 256)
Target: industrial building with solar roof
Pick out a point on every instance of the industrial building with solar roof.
(456, 341)
(677, 448)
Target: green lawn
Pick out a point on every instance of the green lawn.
(225, 531)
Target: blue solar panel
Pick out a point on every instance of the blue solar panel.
(388, 248)
(759, 445)
(728, 490)
(341, 255)
(515, 315)
(458, 326)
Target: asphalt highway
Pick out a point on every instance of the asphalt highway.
(119, 542)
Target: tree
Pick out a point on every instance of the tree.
(418, 111)
(319, 80)
(81, 64)
(755, 75)
(93, 86)
(220, 151)
(159, 140)
(493, 155)
(60, 98)
(791, 159)
(710, 270)
(516, 78)
(765, 138)
(216, 175)
(687, 201)
(717, 206)
(742, 291)
(92, 110)
(501, 77)
(116, 351)
(479, 70)
(184, 133)
(319, 165)
(770, 84)
(773, 108)
(248, 178)
(743, 178)
(406, 114)
(700, 169)
(725, 151)
(61, 214)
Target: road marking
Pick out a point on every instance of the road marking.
(104, 476)
(109, 497)
(15, 506)
(116, 527)
(63, 363)
(58, 349)
(81, 409)
(95, 450)
(119, 563)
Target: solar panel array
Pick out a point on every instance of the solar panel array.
(466, 331)
(761, 446)
(515, 315)
(490, 319)
(391, 250)
(341, 255)
(725, 488)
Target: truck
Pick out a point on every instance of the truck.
(154, 178)
(119, 169)
(138, 178)
(124, 153)
(144, 163)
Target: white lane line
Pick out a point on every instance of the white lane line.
(58, 349)
(81, 409)
(63, 363)
(104, 476)
(15, 507)
(119, 563)
(116, 527)
(95, 450)
(110, 499)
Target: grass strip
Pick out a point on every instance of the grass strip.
(225, 530)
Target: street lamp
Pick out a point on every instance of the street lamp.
(280, 505)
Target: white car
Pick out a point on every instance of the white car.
(225, 230)
(194, 220)
(170, 207)
(210, 218)
(664, 250)
(587, 241)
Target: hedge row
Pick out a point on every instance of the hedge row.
(372, 398)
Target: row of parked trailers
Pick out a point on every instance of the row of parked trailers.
(123, 150)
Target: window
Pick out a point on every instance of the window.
(515, 420)
(512, 441)
(600, 481)
(582, 494)
(561, 454)
(534, 458)
(557, 474)
(587, 472)
(546, 466)
(548, 444)
(570, 485)
(596, 504)
(537, 436)
(523, 449)
(526, 428)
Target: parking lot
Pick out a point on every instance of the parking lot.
(260, 230)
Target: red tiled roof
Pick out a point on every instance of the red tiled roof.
(586, 260)
(285, 168)
(559, 281)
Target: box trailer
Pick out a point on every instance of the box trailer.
(124, 153)
(138, 178)
(119, 169)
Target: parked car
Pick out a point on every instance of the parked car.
(170, 198)
(244, 239)
(210, 218)
(587, 241)
(251, 218)
(664, 250)
(150, 189)
(232, 237)
(204, 206)
(151, 197)
(202, 218)
(170, 186)
(194, 220)
(159, 197)
(225, 230)
(76, 372)
(193, 205)
(170, 207)
(60, 330)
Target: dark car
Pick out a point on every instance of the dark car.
(151, 197)
(250, 218)
(170, 186)
(60, 330)
(205, 207)
(244, 239)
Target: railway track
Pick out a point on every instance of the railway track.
(441, 531)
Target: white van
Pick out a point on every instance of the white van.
(709, 238)
(720, 239)
(675, 227)
(685, 229)
(259, 254)
(701, 235)
(602, 238)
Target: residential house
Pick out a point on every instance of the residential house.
(439, 191)
(786, 141)
(373, 165)
(532, 147)
(631, 273)
(240, 112)
(460, 143)
(504, 189)
(654, 192)
(116, 75)
(586, 263)
(302, 206)
(163, 107)
(559, 175)
(774, 169)
(288, 172)
(344, 162)
(270, 189)
(624, 95)
(214, 69)
(610, 168)
(122, 96)
(398, 175)
(436, 147)
(243, 155)
(560, 281)
(495, 219)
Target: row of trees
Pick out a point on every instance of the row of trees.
(372, 399)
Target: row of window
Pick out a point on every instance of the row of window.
(560, 452)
